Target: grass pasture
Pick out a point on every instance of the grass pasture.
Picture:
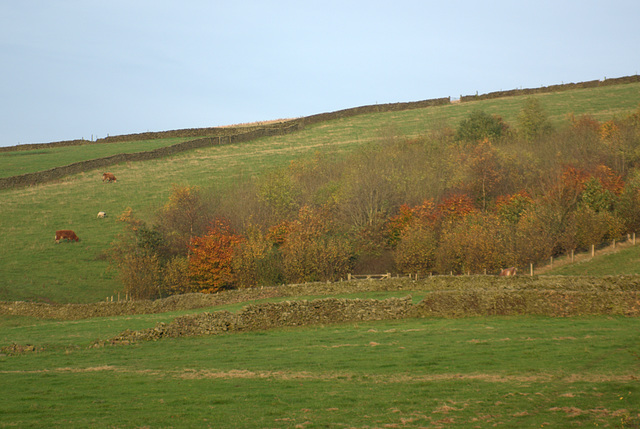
(469, 372)
(624, 261)
(34, 268)
(30, 161)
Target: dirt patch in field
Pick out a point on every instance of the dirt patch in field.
(198, 374)
(596, 412)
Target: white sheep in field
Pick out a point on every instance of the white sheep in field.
(102, 215)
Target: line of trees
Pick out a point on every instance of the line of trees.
(476, 198)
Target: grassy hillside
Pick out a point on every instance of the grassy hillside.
(625, 261)
(30, 161)
(34, 268)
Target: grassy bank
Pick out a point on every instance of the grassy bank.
(35, 268)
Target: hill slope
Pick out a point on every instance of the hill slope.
(34, 268)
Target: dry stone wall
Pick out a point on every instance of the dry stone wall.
(227, 135)
(274, 315)
(444, 296)
(552, 88)
(453, 303)
(484, 291)
(57, 173)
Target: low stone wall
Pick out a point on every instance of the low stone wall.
(552, 88)
(446, 296)
(273, 315)
(483, 286)
(454, 303)
(57, 173)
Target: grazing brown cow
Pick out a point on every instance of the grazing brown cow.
(66, 234)
(509, 271)
(108, 177)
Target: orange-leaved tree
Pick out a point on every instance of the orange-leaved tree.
(478, 242)
(211, 259)
(423, 215)
(453, 208)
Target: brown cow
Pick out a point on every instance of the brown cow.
(509, 271)
(108, 177)
(66, 234)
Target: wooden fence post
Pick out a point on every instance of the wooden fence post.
(531, 267)
(593, 250)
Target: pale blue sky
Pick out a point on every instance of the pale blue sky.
(81, 68)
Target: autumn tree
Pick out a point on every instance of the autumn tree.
(453, 208)
(313, 250)
(175, 278)
(416, 250)
(537, 234)
(211, 260)
(424, 215)
(484, 172)
(596, 197)
(627, 206)
(257, 260)
(184, 216)
(512, 207)
(592, 227)
(480, 242)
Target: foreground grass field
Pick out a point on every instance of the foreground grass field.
(34, 268)
(473, 372)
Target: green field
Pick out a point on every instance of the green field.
(34, 268)
(30, 161)
(476, 372)
(625, 261)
